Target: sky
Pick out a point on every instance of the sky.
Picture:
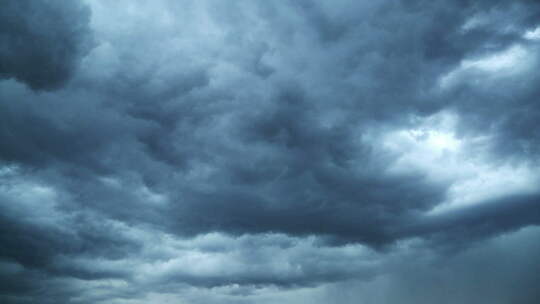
(235, 152)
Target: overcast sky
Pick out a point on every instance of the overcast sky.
(372, 152)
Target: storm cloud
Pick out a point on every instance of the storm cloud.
(269, 152)
(42, 41)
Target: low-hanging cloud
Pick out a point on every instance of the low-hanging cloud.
(43, 41)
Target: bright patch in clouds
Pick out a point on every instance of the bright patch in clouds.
(487, 182)
(532, 34)
(433, 149)
(508, 59)
(512, 61)
(436, 140)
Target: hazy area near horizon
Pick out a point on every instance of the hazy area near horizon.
(236, 152)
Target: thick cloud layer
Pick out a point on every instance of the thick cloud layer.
(261, 152)
(42, 41)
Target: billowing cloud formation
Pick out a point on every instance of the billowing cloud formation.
(42, 41)
(268, 152)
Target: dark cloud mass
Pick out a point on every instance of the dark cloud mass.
(269, 152)
(42, 41)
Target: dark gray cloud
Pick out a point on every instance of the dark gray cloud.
(42, 41)
(264, 152)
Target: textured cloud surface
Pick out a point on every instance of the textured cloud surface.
(269, 152)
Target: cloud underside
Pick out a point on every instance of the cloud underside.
(269, 152)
